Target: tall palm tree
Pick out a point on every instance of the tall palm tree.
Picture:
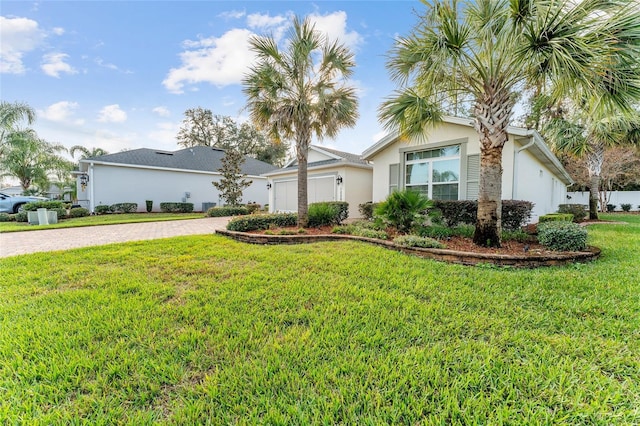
(86, 152)
(491, 50)
(588, 135)
(301, 91)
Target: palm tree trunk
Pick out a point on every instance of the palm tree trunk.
(302, 153)
(488, 223)
(595, 158)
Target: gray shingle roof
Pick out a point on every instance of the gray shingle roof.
(201, 158)
(352, 158)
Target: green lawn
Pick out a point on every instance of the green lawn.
(107, 219)
(197, 330)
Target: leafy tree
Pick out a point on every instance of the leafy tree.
(491, 50)
(233, 182)
(33, 160)
(86, 152)
(300, 91)
(201, 127)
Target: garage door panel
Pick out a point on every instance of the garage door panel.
(318, 189)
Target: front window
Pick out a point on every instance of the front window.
(435, 172)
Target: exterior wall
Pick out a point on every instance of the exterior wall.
(616, 198)
(112, 184)
(535, 182)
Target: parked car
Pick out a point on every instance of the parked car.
(9, 204)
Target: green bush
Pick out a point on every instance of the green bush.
(416, 241)
(102, 209)
(625, 207)
(515, 213)
(149, 205)
(262, 221)
(79, 212)
(611, 207)
(21, 216)
(369, 233)
(253, 207)
(562, 236)
(435, 231)
(556, 217)
(328, 213)
(519, 236)
(579, 211)
(5, 217)
(49, 205)
(227, 211)
(168, 207)
(367, 209)
(124, 207)
(403, 210)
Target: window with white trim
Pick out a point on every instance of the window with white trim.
(434, 172)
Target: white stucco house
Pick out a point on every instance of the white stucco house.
(445, 165)
(143, 174)
(332, 176)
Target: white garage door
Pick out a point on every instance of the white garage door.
(320, 188)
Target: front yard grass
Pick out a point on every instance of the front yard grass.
(107, 219)
(203, 329)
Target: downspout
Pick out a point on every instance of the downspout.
(514, 191)
(92, 202)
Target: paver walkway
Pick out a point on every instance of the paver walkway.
(14, 243)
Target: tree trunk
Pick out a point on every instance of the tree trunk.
(488, 223)
(302, 153)
(491, 114)
(595, 158)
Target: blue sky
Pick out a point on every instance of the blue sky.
(120, 74)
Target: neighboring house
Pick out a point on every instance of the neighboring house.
(13, 191)
(332, 176)
(144, 174)
(445, 165)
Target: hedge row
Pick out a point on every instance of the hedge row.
(176, 207)
(562, 236)
(227, 211)
(262, 221)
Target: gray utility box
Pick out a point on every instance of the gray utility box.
(207, 206)
(33, 219)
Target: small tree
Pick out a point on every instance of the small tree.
(233, 182)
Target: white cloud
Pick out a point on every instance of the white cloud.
(219, 61)
(334, 25)
(233, 14)
(58, 31)
(61, 112)
(162, 111)
(54, 64)
(265, 22)
(112, 114)
(19, 36)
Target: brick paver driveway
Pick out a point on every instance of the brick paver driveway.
(14, 243)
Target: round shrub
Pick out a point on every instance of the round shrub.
(227, 211)
(403, 209)
(21, 216)
(416, 241)
(579, 211)
(78, 212)
(102, 209)
(5, 217)
(562, 236)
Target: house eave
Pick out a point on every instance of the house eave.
(281, 172)
(166, 169)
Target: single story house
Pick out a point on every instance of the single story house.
(332, 176)
(445, 164)
(144, 174)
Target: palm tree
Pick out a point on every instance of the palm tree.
(86, 152)
(588, 135)
(294, 94)
(10, 115)
(491, 50)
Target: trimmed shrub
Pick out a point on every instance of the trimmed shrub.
(367, 209)
(611, 207)
(227, 211)
(579, 211)
(328, 213)
(168, 207)
(435, 231)
(253, 207)
(149, 205)
(5, 217)
(519, 236)
(416, 241)
(49, 205)
(625, 207)
(102, 209)
(403, 210)
(262, 221)
(21, 216)
(124, 207)
(556, 217)
(515, 213)
(562, 236)
(78, 212)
